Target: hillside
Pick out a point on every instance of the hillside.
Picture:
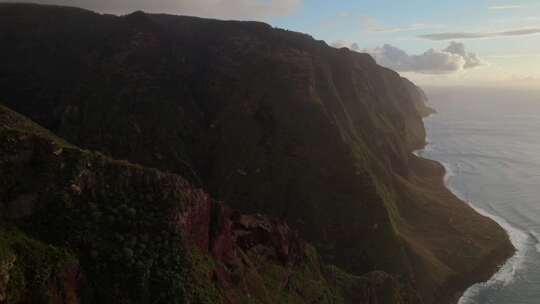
(79, 227)
(268, 121)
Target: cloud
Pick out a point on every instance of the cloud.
(430, 62)
(479, 35)
(452, 59)
(222, 9)
(471, 59)
(345, 44)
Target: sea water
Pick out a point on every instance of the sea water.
(489, 141)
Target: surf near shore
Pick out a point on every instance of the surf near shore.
(500, 266)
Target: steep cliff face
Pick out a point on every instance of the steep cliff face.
(419, 99)
(79, 227)
(267, 120)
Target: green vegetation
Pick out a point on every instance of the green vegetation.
(31, 267)
(296, 284)
(126, 245)
(117, 225)
(13, 121)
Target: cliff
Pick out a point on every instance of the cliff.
(79, 227)
(419, 99)
(266, 120)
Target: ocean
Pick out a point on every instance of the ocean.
(489, 142)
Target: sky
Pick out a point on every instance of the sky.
(459, 42)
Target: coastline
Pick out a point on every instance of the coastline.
(495, 266)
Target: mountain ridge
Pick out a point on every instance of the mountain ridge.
(269, 121)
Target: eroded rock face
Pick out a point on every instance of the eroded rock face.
(66, 285)
(261, 257)
(238, 235)
(256, 233)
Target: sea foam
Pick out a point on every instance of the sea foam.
(520, 239)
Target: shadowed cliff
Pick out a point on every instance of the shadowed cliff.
(266, 120)
(79, 227)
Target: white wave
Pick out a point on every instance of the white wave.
(536, 237)
(427, 148)
(448, 174)
(507, 272)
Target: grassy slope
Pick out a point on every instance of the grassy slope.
(41, 198)
(99, 230)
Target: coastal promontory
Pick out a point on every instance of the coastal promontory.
(152, 158)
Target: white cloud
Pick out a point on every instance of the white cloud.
(471, 59)
(430, 62)
(452, 59)
(345, 44)
(222, 9)
(479, 35)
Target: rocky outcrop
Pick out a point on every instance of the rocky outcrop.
(65, 287)
(266, 120)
